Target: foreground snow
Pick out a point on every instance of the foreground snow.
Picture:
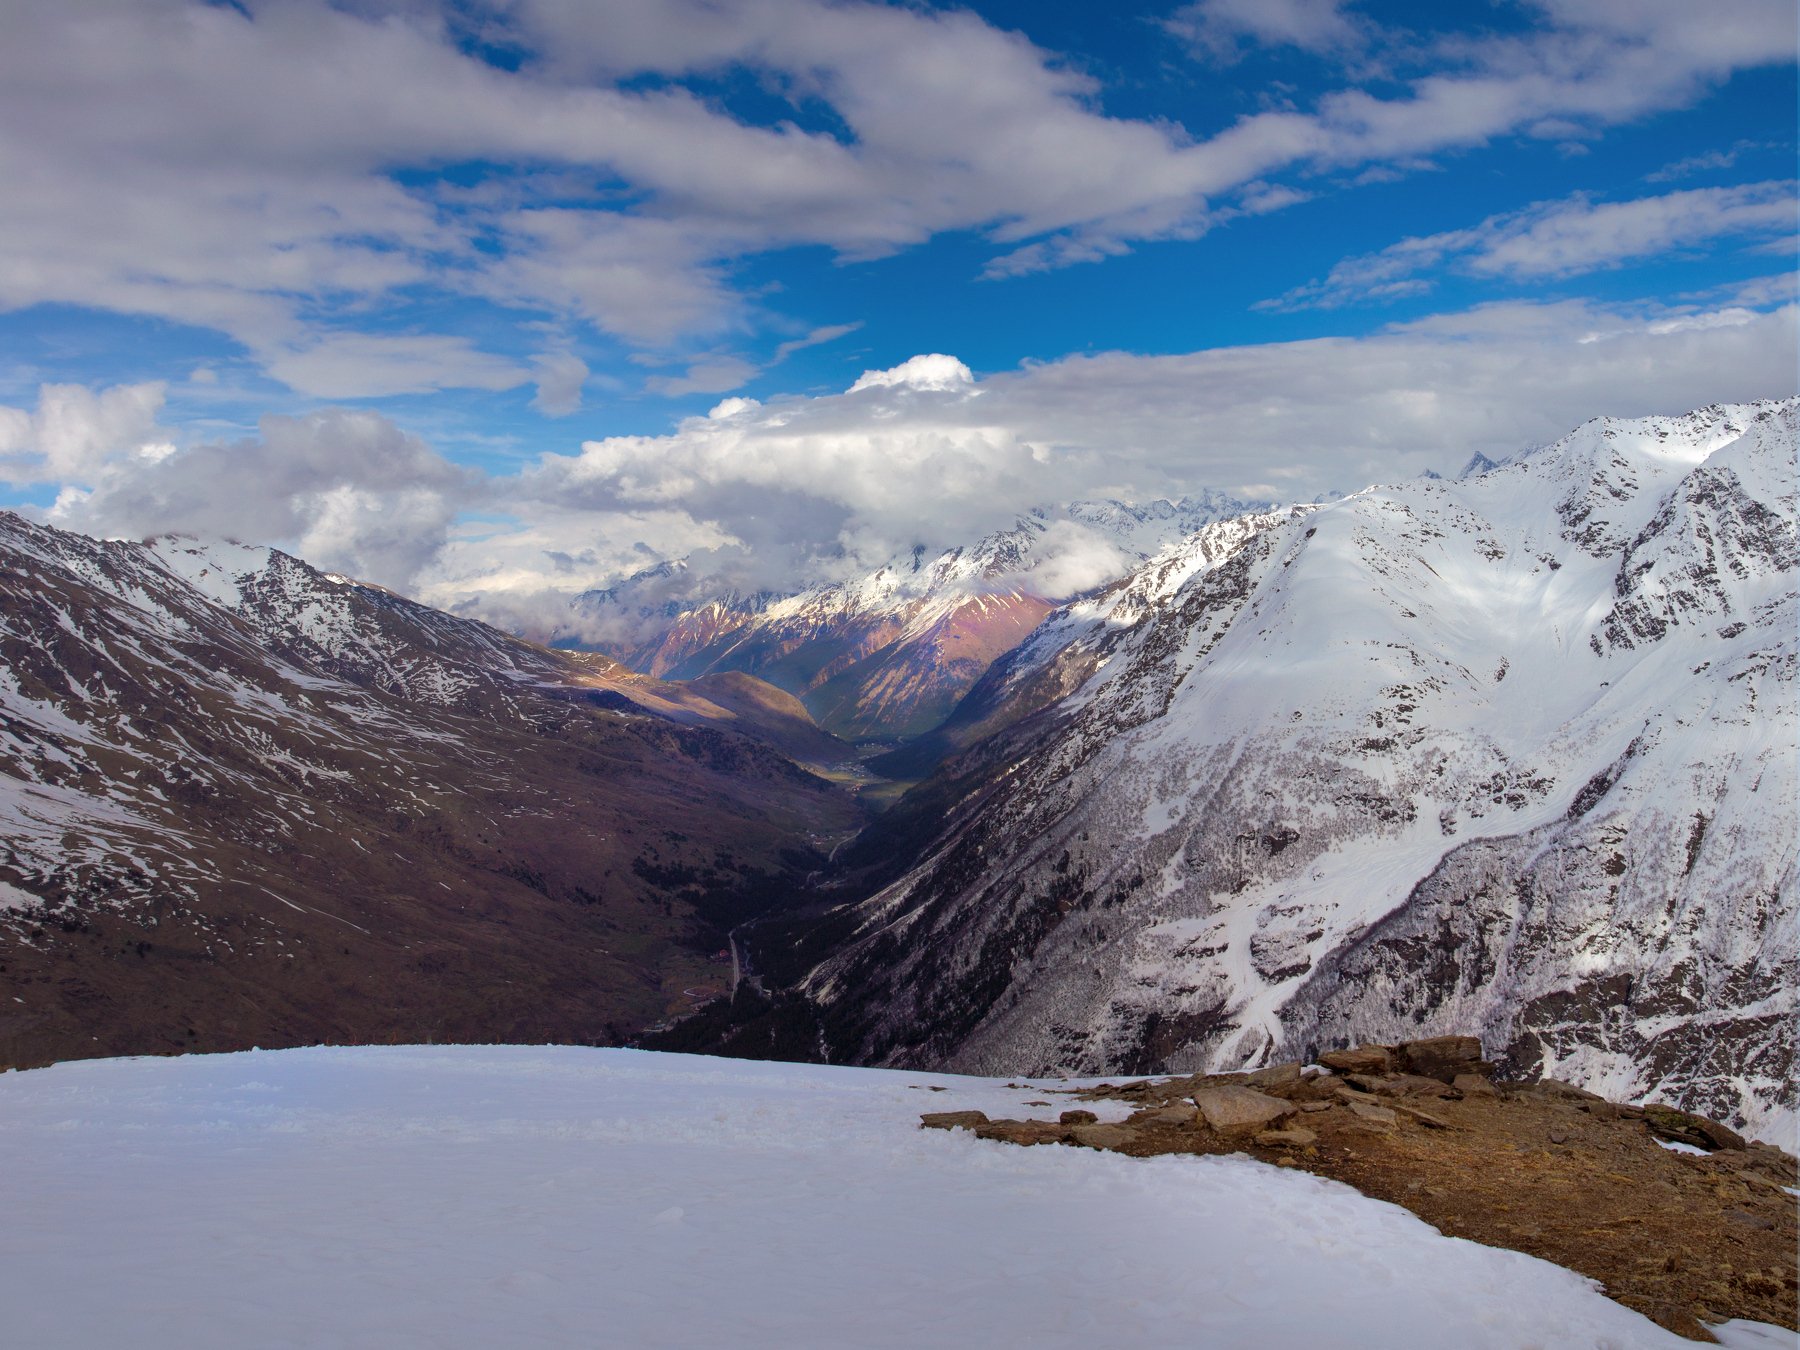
(522, 1196)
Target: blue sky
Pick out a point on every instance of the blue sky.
(443, 293)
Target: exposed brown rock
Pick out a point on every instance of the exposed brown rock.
(1474, 1085)
(952, 1120)
(1363, 1059)
(1025, 1132)
(1240, 1110)
(1275, 1076)
(1371, 1113)
(1076, 1117)
(1443, 1057)
(1294, 1137)
(1103, 1136)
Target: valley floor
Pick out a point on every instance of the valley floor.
(552, 1197)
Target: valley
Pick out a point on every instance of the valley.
(1507, 755)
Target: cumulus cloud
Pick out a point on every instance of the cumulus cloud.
(1556, 239)
(803, 489)
(346, 490)
(76, 433)
(795, 490)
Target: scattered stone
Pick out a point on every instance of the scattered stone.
(1683, 1127)
(1240, 1110)
(1178, 1114)
(1103, 1136)
(1373, 1114)
(1275, 1076)
(1559, 1137)
(1424, 1118)
(1363, 1059)
(1315, 1106)
(1745, 1219)
(1025, 1132)
(952, 1120)
(1474, 1085)
(1289, 1138)
(1078, 1118)
(1443, 1057)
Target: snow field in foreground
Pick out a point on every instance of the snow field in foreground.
(567, 1197)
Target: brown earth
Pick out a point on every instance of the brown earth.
(1539, 1167)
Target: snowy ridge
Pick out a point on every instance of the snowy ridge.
(361, 632)
(1509, 754)
(888, 653)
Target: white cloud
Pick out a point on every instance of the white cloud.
(713, 375)
(370, 365)
(560, 377)
(76, 433)
(1221, 29)
(818, 337)
(282, 158)
(1555, 239)
(934, 372)
(798, 489)
(346, 490)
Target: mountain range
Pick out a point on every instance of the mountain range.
(887, 655)
(1509, 755)
(246, 802)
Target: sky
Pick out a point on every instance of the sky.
(493, 301)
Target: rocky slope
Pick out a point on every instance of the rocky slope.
(1511, 754)
(243, 802)
(888, 655)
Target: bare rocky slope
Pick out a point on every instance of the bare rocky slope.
(244, 802)
(1511, 755)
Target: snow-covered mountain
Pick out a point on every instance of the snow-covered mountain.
(1511, 755)
(242, 801)
(887, 655)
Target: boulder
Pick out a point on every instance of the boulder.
(1443, 1057)
(1372, 1114)
(1023, 1132)
(1682, 1127)
(1291, 1138)
(1424, 1118)
(1078, 1118)
(1103, 1136)
(1240, 1110)
(1179, 1115)
(1363, 1059)
(952, 1120)
(1275, 1076)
